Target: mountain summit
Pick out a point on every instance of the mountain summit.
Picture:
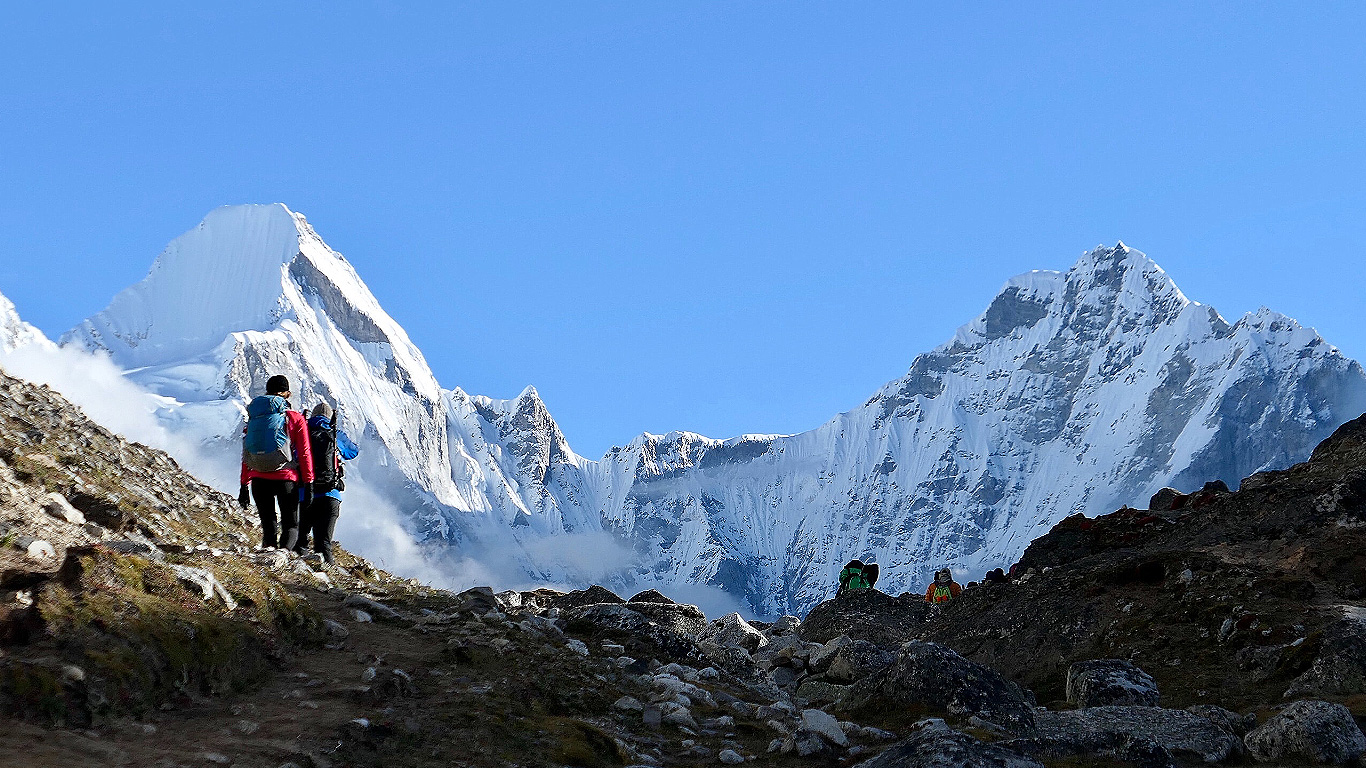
(1073, 392)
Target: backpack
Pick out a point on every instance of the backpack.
(853, 577)
(265, 446)
(327, 467)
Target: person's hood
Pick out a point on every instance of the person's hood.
(321, 422)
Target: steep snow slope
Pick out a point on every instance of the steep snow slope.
(1076, 391)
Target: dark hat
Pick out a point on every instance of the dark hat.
(277, 384)
(322, 409)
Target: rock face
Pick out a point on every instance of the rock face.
(1138, 734)
(935, 745)
(1073, 391)
(858, 660)
(938, 679)
(1240, 597)
(1105, 682)
(1317, 731)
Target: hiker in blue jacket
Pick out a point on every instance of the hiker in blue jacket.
(330, 447)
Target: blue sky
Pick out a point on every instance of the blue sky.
(719, 217)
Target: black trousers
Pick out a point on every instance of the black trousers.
(267, 493)
(321, 520)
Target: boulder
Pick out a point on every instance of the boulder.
(630, 621)
(1339, 668)
(821, 658)
(1137, 734)
(1110, 682)
(1230, 721)
(936, 678)
(372, 607)
(733, 630)
(139, 548)
(676, 617)
(649, 596)
(824, 724)
(1316, 731)
(866, 614)
(478, 600)
(594, 595)
(820, 691)
(785, 625)
(933, 744)
(509, 599)
(1164, 500)
(857, 660)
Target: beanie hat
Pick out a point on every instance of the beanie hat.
(277, 384)
(324, 410)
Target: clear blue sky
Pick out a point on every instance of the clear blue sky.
(738, 217)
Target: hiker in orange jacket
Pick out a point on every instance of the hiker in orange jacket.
(283, 475)
(943, 589)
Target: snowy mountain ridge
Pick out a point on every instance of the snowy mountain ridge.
(1074, 391)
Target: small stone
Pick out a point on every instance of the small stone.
(215, 757)
(730, 757)
(41, 550)
(368, 674)
(628, 704)
(336, 629)
(361, 617)
(577, 646)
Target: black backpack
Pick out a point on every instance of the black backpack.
(327, 467)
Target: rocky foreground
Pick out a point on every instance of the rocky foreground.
(139, 626)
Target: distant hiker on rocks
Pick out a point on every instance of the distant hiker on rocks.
(277, 464)
(330, 447)
(857, 575)
(996, 576)
(943, 589)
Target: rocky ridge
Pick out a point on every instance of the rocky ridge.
(140, 627)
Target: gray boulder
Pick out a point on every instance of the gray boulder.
(1230, 721)
(936, 678)
(1164, 500)
(821, 658)
(1144, 735)
(857, 660)
(479, 600)
(733, 630)
(866, 614)
(1339, 669)
(933, 744)
(1317, 731)
(1110, 682)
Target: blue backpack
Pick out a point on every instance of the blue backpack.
(265, 448)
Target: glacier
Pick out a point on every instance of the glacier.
(1077, 391)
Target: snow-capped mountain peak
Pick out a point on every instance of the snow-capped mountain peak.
(14, 332)
(1074, 391)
